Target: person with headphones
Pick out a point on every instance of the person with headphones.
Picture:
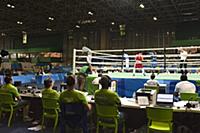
(71, 95)
(48, 92)
(104, 95)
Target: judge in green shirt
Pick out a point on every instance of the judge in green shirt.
(70, 95)
(48, 92)
(104, 95)
(11, 89)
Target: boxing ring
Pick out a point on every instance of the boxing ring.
(119, 66)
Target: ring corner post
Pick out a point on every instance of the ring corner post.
(74, 61)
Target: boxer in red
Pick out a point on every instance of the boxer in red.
(138, 63)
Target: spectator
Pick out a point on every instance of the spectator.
(41, 71)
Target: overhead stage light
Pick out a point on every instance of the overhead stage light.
(113, 23)
(10, 6)
(3, 34)
(155, 18)
(51, 18)
(77, 26)
(90, 13)
(19, 22)
(48, 29)
(141, 6)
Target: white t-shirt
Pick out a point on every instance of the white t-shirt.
(153, 82)
(96, 80)
(185, 87)
(183, 55)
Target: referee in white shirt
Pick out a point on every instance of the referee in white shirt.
(183, 60)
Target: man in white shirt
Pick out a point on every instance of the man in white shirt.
(152, 81)
(126, 57)
(184, 86)
(183, 59)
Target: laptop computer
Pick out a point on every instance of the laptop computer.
(164, 100)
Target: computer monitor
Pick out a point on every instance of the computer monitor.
(17, 83)
(165, 99)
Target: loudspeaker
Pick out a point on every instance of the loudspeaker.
(4, 53)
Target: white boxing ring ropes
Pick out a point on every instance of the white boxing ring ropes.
(167, 59)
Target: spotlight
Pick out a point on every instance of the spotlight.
(90, 13)
(155, 18)
(141, 6)
(77, 26)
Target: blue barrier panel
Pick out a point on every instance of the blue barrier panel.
(62, 76)
(1, 79)
(126, 86)
(55, 77)
(24, 78)
(132, 85)
(120, 86)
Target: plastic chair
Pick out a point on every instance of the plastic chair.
(50, 110)
(74, 115)
(159, 119)
(198, 85)
(189, 96)
(151, 87)
(108, 116)
(7, 104)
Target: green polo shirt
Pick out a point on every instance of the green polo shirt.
(84, 69)
(50, 93)
(73, 96)
(106, 97)
(9, 88)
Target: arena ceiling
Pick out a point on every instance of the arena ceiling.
(38, 16)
